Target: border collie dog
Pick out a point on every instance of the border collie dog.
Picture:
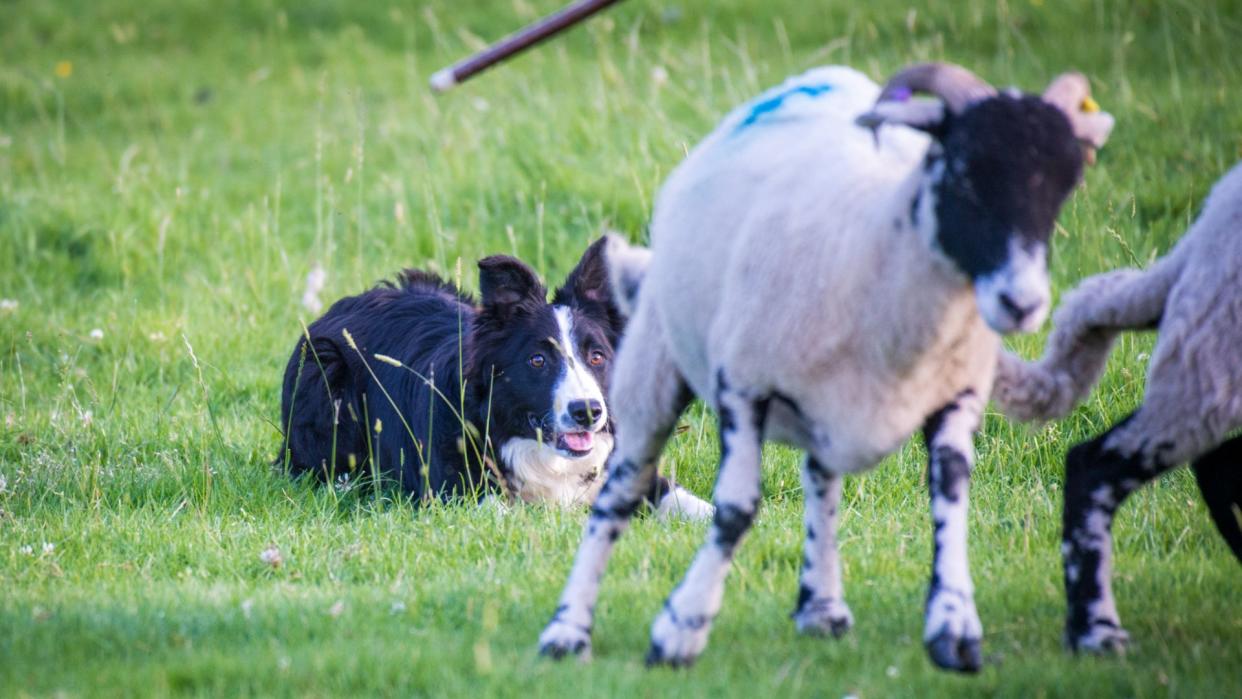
(418, 383)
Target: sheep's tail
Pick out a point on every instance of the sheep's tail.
(1085, 326)
(627, 265)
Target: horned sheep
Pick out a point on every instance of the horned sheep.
(830, 284)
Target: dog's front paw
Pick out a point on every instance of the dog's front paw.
(680, 503)
(676, 640)
(824, 617)
(1102, 637)
(953, 635)
(560, 639)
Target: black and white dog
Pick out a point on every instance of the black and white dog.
(418, 383)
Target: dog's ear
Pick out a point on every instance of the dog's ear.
(589, 289)
(508, 286)
(588, 283)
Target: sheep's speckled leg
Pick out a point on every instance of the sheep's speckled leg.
(952, 631)
(680, 632)
(647, 397)
(821, 606)
(1097, 479)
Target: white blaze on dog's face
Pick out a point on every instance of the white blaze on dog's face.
(578, 407)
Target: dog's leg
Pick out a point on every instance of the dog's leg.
(821, 606)
(680, 632)
(1219, 474)
(952, 631)
(669, 500)
(647, 397)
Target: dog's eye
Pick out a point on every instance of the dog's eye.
(597, 358)
(536, 360)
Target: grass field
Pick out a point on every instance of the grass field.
(170, 171)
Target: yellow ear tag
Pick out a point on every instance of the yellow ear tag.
(1089, 105)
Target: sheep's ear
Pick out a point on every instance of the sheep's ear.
(508, 285)
(923, 113)
(1071, 93)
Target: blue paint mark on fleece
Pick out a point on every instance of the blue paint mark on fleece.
(776, 101)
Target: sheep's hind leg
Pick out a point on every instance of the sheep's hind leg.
(680, 632)
(647, 397)
(821, 606)
(1219, 474)
(952, 631)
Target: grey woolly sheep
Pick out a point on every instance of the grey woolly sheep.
(1193, 296)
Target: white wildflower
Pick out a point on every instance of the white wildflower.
(247, 606)
(891, 671)
(8, 305)
(659, 76)
(315, 280)
(337, 609)
(271, 556)
(397, 607)
(88, 418)
(156, 336)
(48, 547)
(26, 550)
(96, 334)
(4, 485)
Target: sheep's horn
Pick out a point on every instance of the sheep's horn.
(953, 84)
(1071, 93)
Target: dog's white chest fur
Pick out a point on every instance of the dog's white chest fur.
(540, 473)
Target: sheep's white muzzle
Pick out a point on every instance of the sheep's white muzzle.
(1015, 298)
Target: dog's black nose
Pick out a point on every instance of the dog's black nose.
(585, 412)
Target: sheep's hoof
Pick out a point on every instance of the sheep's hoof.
(1102, 638)
(560, 640)
(825, 617)
(658, 657)
(677, 640)
(951, 652)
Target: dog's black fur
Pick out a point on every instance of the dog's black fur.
(465, 385)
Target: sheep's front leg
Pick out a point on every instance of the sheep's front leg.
(680, 632)
(821, 606)
(1099, 476)
(647, 396)
(952, 632)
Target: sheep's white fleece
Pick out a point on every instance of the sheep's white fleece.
(850, 312)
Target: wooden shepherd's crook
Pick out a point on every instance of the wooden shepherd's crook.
(517, 42)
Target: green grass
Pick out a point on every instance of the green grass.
(174, 189)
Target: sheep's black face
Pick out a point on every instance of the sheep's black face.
(1005, 168)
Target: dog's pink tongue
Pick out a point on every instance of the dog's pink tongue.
(578, 441)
